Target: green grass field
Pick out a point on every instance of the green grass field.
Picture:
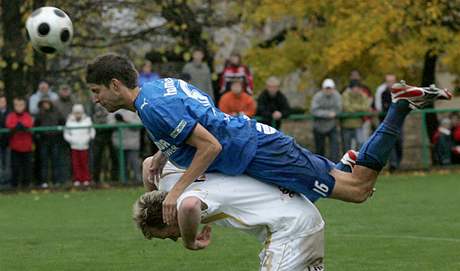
(412, 223)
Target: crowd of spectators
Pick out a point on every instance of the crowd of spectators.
(85, 155)
(75, 152)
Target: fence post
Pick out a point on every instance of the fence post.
(121, 155)
(425, 143)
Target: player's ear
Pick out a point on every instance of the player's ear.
(115, 85)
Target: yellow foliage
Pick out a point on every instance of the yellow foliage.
(332, 37)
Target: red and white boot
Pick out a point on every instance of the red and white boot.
(418, 97)
(350, 158)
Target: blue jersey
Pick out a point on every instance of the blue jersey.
(170, 109)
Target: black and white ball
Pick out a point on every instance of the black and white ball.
(49, 29)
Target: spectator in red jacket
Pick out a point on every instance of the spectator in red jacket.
(237, 102)
(236, 71)
(19, 122)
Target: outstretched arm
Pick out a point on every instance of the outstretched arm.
(189, 217)
(207, 149)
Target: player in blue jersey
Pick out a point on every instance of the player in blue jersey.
(192, 133)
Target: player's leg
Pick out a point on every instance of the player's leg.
(373, 155)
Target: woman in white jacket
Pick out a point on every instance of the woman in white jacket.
(79, 139)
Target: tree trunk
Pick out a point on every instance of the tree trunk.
(38, 69)
(428, 78)
(13, 49)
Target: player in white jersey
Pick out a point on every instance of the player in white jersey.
(289, 225)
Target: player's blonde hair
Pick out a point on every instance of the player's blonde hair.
(147, 212)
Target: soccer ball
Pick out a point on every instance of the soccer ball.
(49, 30)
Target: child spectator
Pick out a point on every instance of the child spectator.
(237, 102)
(442, 141)
(20, 143)
(79, 143)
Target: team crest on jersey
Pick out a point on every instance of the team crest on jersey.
(180, 127)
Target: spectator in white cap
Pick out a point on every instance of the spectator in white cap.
(79, 139)
(325, 106)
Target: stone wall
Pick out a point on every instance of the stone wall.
(302, 131)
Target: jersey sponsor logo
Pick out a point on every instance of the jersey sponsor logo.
(144, 103)
(180, 127)
(263, 128)
(165, 147)
(170, 88)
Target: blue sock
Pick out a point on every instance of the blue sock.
(376, 151)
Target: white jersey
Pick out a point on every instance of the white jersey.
(266, 211)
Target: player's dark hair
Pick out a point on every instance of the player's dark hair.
(111, 66)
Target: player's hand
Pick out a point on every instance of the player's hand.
(203, 239)
(170, 209)
(156, 166)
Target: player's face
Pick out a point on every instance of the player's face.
(169, 232)
(106, 96)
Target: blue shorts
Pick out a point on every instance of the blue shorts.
(281, 161)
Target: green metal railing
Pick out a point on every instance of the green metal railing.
(119, 130)
(119, 127)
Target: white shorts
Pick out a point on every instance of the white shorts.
(301, 254)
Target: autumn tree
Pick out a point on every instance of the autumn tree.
(171, 29)
(331, 38)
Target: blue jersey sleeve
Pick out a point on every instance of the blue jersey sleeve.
(172, 120)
